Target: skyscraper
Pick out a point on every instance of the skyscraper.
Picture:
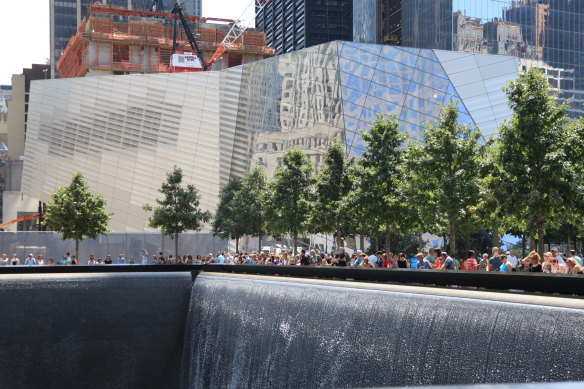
(66, 16)
(295, 24)
(547, 34)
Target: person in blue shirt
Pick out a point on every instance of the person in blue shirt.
(423, 262)
(447, 262)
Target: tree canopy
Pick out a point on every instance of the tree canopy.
(179, 209)
(77, 213)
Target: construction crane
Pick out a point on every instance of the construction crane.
(237, 30)
(187, 62)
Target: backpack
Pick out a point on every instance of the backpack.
(379, 262)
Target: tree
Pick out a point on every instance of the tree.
(179, 210)
(77, 213)
(228, 222)
(539, 155)
(378, 193)
(445, 172)
(251, 200)
(333, 184)
(288, 205)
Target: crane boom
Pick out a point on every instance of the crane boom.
(237, 30)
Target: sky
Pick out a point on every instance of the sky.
(24, 30)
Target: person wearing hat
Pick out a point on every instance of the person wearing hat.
(512, 259)
(423, 262)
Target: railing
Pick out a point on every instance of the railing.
(566, 285)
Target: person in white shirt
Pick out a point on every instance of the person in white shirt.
(144, 256)
(512, 259)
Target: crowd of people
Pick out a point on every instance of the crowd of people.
(435, 259)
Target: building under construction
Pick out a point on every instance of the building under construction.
(113, 40)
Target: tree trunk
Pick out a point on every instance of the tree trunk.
(77, 251)
(420, 243)
(176, 248)
(523, 245)
(236, 244)
(467, 242)
(377, 244)
(452, 235)
(338, 239)
(531, 240)
(260, 243)
(295, 244)
(387, 237)
(540, 233)
(362, 242)
(496, 240)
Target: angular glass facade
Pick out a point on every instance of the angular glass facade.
(547, 34)
(126, 132)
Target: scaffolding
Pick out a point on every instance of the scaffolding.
(113, 40)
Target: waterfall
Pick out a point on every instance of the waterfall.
(261, 332)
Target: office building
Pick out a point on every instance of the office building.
(66, 17)
(124, 133)
(295, 24)
(547, 34)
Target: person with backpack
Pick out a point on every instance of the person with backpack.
(447, 261)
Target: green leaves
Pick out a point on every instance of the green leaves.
(77, 213)
(289, 202)
(178, 211)
(539, 156)
(445, 173)
(242, 206)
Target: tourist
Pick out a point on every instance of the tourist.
(532, 262)
(31, 260)
(446, 260)
(433, 256)
(41, 260)
(365, 263)
(51, 261)
(144, 257)
(577, 258)
(15, 260)
(505, 266)
(546, 266)
(99, 261)
(573, 266)
(495, 260)
(512, 259)
(484, 263)
(91, 260)
(108, 260)
(402, 262)
(132, 261)
(4, 260)
(556, 267)
(471, 262)
(121, 259)
(315, 259)
(423, 262)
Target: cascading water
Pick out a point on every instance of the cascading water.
(261, 332)
(161, 330)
